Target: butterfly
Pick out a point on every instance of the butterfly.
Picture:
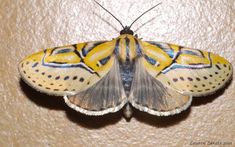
(100, 77)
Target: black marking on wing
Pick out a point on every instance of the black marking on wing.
(174, 60)
(169, 51)
(67, 66)
(63, 50)
(89, 69)
(78, 54)
(63, 64)
(189, 67)
(82, 58)
(84, 53)
(177, 54)
(94, 45)
(53, 50)
(193, 52)
(59, 62)
(201, 53)
(104, 60)
(35, 64)
(196, 63)
(150, 60)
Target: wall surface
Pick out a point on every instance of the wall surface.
(28, 118)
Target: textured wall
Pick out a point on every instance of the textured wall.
(28, 118)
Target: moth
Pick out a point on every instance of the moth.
(100, 77)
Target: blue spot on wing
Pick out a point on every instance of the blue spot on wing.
(169, 51)
(150, 60)
(63, 51)
(192, 52)
(105, 60)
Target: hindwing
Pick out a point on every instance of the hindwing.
(107, 95)
(150, 95)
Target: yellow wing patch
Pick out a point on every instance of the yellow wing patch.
(69, 69)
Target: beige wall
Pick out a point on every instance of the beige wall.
(28, 118)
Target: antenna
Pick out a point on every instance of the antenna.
(110, 14)
(143, 14)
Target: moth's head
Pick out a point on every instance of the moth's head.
(126, 30)
(47, 70)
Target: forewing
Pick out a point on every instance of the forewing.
(107, 95)
(69, 69)
(189, 71)
(150, 95)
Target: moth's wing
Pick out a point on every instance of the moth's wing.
(150, 95)
(189, 71)
(69, 69)
(107, 95)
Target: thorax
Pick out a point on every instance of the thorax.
(127, 48)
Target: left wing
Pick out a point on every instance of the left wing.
(70, 69)
(86, 74)
(188, 71)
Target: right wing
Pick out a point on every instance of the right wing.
(188, 71)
